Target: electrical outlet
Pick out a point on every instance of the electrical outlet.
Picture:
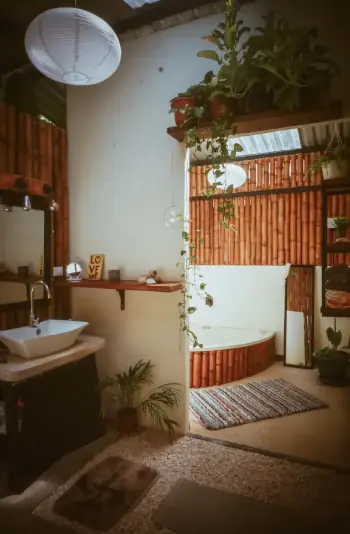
(58, 271)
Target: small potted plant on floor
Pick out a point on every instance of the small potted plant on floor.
(332, 363)
(341, 224)
(126, 398)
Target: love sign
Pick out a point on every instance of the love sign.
(95, 268)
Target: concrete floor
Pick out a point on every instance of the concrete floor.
(317, 436)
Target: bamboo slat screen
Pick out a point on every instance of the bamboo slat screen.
(272, 229)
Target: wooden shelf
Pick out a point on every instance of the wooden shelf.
(15, 279)
(338, 247)
(337, 186)
(265, 122)
(335, 312)
(124, 285)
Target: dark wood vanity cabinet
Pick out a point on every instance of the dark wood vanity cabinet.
(48, 416)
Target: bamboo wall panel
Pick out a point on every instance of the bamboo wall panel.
(25, 146)
(214, 368)
(272, 229)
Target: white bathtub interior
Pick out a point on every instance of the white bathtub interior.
(226, 337)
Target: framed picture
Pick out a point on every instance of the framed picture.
(95, 268)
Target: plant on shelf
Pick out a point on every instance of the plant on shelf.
(290, 64)
(341, 224)
(126, 397)
(332, 363)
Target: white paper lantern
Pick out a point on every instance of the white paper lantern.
(233, 175)
(73, 46)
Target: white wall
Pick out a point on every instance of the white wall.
(21, 243)
(120, 185)
(253, 297)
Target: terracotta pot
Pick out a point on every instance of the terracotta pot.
(127, 420)
(220, 107)
(179, 104)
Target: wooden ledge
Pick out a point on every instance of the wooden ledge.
(268, 121)
(125, 285)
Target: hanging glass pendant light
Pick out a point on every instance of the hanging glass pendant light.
(72, 46)
(172, 217)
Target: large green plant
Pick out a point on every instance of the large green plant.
(126, 392)
(235, 76)
(289, 60)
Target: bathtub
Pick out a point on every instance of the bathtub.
(229, 354)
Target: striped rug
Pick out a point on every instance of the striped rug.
(222, 407)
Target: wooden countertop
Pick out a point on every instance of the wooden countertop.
(17, 369)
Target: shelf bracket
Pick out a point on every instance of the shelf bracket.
(122, 298)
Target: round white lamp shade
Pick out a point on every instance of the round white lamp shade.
(234, 175)
(72, 46)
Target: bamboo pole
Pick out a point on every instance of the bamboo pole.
(218, 379)
(247, 223)
(274, 230)
(253, 208)
(206, 225)
(280, 213)
(259, 218)
(216, 233)
(231, 365)
(347, 205)
(269, 231)
(197, 369)
(293, 213)
(237, 234)
(205, 370)
(305, 229)
(286, 183)
(225, 378)
(242, 231)
(191, 369)
(212, 368)
(312, 227)
(318, 251)
(193, 182)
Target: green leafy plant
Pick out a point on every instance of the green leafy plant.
(338, 153)
(335, 338)
(341, 225)
(289, 60)
(126, 393)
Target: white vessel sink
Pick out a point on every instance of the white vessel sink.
(49, 337)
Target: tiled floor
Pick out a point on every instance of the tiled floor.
(319, 436)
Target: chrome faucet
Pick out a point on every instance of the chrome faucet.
(34, 322)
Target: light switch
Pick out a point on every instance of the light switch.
(58, 271)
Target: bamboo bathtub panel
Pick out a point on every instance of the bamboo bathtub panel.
(214, 368)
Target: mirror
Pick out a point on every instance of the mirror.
(21, 253)
(299, 316)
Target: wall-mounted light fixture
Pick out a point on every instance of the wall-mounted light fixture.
(27, 206)
(54, 206)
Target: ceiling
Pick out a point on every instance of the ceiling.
(16, 15)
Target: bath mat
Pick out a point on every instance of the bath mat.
(101, 496)
(191, 508)
(223, 407)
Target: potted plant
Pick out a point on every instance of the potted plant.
(292, 65)
(126, 388)
(332, 364)
(190, 104)
(341, 224)
(234, 77)
(334, 162)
